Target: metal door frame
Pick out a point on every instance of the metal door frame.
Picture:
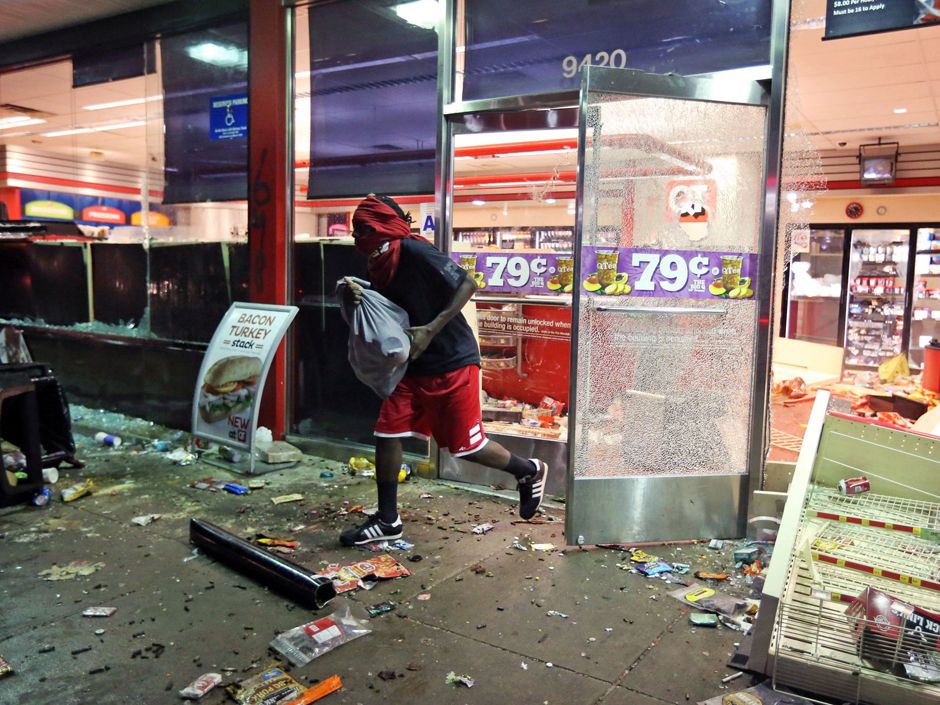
(604, 502)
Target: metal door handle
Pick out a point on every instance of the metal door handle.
(672, 310)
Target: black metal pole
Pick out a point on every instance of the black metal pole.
(287, 577)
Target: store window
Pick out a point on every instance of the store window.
(531, 46)
(372, 77)
(138, 198)
(365, 121)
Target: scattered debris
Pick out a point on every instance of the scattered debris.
(655, 568)
(193, 556)
(414, 666)
(387, 675)
(235, 488)
(181, 456)
(454, 679)
(525, 666)
(256, 484)
(270, 686)
(758, 695)
(318, 691)
(7, 670)
(285, 498)
(45, 649)
(381, 608)
(478, 569)
(638, 556)
(481, 529)
(72, 570)
(681, 568)
(327, 475)
(361, 466)
(303, 644)
(365, 574)
(70, 494)
(703, 619)
(145, 519)
(424, 597)
(543, 547)
(427, 495)
(201, 686)
(716, 544)
(265, 540)
(99, 611)
(733, 676)
(279, 452)
(416, 558)
(704, 575)
(556, 613)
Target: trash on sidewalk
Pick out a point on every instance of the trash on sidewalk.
(638, 556)
(235, 488)
(41, 498)
(381, 608)
(716, 544)
(705, 575)
(265, 540)
(705, 598)
(361, 466)
(5, 668)
(653, 569)
(279, 573)
(181, 456)
(270, 686)
(681, 568)
(703, 619)
(107, 439)
(482, 528)
(543, 547)
(99, 611)
(756, 695)
(303, 644)
(232, 455)
(285, 498)
(279, 452)
(556, 613)
(327, 475)
(318, 691)
(145, 519)
(463, 679)
(256, 484)
(201, 686)
(71, 570)
(364, 574)
(70, 494)
(396, 545)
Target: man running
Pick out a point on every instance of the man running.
(440, 393)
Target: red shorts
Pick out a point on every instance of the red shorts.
(445, 406)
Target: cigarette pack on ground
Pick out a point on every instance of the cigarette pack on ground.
(302, 644)
(201, 686)
(266, 688)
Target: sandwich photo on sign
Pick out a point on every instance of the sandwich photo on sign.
(229, 387)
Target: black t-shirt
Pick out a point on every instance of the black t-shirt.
(424, 285)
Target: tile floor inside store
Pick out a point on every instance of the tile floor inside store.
(474, 605)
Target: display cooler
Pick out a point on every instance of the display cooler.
(851, 605)
(873, 291)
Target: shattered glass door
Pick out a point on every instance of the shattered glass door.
(671, 198)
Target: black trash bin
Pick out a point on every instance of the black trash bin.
(55, 421)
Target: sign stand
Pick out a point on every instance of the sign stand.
(226, 401)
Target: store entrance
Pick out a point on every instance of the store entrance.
(665, 315)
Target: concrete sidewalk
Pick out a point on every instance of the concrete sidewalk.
(473, 605)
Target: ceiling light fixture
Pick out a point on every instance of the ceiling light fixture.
(123, 103)
(223, 55)
(99, 128)
(420, 13)
(9, 123)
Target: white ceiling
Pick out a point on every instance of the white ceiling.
(843, 90)
(25, 18)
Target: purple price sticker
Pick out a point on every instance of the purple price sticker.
(530, 273)
(686, 274)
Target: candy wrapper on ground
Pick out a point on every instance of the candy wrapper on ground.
(5, 668)
(302, 644)
(896, 636)
(266, 688)
(365, 573)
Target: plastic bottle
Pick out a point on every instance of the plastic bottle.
(107, 439)
(41, 498)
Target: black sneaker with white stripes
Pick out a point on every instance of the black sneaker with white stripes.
(374, 529)
(532, 490)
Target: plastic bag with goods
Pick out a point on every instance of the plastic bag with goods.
(302, 644)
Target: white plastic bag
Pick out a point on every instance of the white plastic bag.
(302, 644)
(378, 345)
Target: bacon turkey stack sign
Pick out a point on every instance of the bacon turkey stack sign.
(225, 403)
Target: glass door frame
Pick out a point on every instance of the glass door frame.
(586, 521)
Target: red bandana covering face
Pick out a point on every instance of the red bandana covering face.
(382, 244)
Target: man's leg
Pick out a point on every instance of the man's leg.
(530, 474)
(387, 466)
